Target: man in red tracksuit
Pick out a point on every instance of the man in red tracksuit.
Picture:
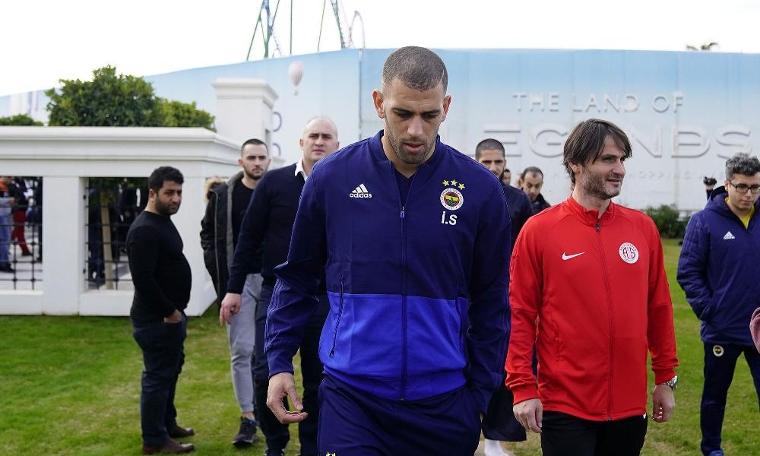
(588, 290)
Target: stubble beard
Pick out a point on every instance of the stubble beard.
(594, 186)
(165, 209)
(398, 149)
(252, 176)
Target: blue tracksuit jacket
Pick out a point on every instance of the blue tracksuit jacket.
(417, 288)
(717, 270)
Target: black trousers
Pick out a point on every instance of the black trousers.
(276, 433)
(500, 422)
(162, 345)
(564, 435)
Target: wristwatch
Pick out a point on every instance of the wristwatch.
(672, 382)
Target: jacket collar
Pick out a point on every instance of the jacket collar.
(237, 177)
(541, 200)
(590, 216)
(717, 203)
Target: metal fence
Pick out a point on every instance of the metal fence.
(20, 232)
(111, 206)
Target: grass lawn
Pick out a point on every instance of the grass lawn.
(70, 386)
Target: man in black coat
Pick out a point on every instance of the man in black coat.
(499, 424)
(220, 230)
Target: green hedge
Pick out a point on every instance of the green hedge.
(19, 120)
(668, 221)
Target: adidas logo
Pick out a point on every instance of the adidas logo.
(360, 192)
(729, 236)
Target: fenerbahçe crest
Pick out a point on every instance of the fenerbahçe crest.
(451, 196)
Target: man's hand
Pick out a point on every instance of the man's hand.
(663, 403)
(230, 306)
(175, 317)
(529, 414)
(280, 386)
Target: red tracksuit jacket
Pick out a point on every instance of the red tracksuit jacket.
(593, 295)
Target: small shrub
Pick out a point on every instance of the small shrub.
(19, 120)
(668, 221)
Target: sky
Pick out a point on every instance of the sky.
(44, 41)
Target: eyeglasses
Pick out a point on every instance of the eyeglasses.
(744, 188)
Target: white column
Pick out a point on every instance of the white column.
(62, 244)
(188, 223)
(244, 109)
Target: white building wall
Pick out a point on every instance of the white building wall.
(65, 157)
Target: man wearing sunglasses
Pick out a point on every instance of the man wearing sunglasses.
(716, 270)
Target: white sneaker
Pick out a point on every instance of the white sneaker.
(494, 448)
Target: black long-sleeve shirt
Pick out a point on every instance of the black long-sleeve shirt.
(160, 271)
(268, 223)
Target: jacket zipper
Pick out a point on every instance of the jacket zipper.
(337, 322)
(598, 228)
(403, 304)
(216, 250)
(404, 348)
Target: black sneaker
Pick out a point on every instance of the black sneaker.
(246, 436)
(269, 452)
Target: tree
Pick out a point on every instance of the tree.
(178, 114)
(108, 100)
(117, 100)
(20, 120)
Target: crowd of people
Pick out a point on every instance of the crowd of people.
(15, 213)
(431, 301)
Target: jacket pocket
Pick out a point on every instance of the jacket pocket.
(337, 320)
(708, 311)
(437, 330)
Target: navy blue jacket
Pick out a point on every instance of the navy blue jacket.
(718, 271)
(417, 289)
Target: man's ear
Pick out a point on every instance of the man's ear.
(446, 104)
(378, 100)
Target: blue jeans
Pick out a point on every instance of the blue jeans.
(162, 345)
(6, 225)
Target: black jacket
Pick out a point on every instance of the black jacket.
(216, 233)
(264, 236)
(539, 204)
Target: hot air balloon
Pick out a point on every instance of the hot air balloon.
(295, 73)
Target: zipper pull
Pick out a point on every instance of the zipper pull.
(598, 226)
(402, 213)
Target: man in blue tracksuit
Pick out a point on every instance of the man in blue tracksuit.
(413, 238)
(717, 270)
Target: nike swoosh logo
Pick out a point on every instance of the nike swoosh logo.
(566, 257)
